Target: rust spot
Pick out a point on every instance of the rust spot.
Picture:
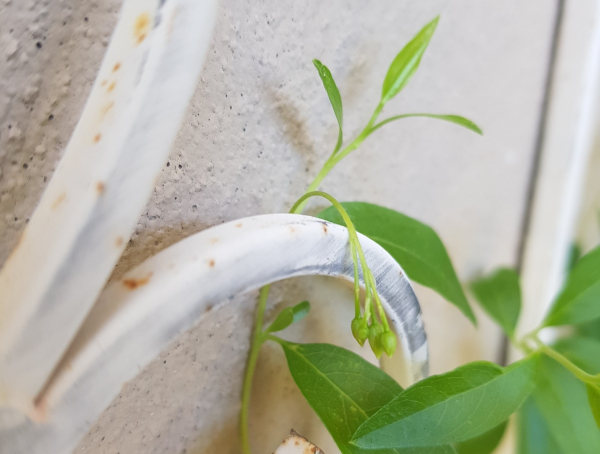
(238, 225)
(116, 67)
(60, 199)
(97, 138)
(103, 84)
(211, 263)
(133, 283)
(111, 87)
(39, 412)
(141, 27)
(119, 241)
(208, 308)
(106, 109)
(100, 187)
(325, 228)
(214, 240)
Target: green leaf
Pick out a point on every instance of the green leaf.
(334, 98)
(574, 256)
(483, 444)
(584, 353)
(456, 119)
(563, 403)
(579, 301)
(593, 393)
(414, 245)
(450, 408)
(581, 351)
(500, 296)
(533, 434)
(406, 62)
(289, 316)
(344, 390)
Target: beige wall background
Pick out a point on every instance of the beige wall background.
(257, 130)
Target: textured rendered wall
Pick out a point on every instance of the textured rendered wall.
(257, 130)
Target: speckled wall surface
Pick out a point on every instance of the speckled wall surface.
(258, 128)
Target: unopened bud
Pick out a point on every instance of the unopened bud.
(388, 342)
(360, 330)
(375, 331)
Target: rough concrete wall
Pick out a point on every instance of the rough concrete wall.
(258, 128)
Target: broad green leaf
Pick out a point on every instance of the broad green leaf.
(414, 245)
(484, 443)
(584, 353)
(406, 62)
(500, 296)
(289, 316)
(450, 408)
(334, 98)
(563, 403)
(593, 393)
(579, 301)
(581, 351)
(456, 119)
(344, 390)
(533, 434)
(590, 329)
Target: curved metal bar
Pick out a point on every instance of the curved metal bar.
(138, 316)
(96, 196)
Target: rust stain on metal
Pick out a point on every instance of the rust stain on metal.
(111, 87)
(325, 228)
(133, 283)
(119, 241)
(97, 138)
(105, 109)
(211, 263)
(104, 82)
(100, 187)
(141, 27)
(239, 225)
(60, 199)
(116, 67)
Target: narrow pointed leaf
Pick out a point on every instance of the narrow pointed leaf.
(344, 390)
(593, 393)
(484, 443)
(533, 434)
(414, 245)
(579, 301)
(334, 97)
(406, 62)
(451, 407)
(456, 119)
(563, 403)
(288, 316)
(500, 296)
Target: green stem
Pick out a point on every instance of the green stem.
(580, 374)
(258, 337)
(257, 340)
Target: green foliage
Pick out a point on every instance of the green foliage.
(484, 443)
(593, 392)
(289, 316)
(344, 390)
(414, 245)
(500, 296)
(406, 62)
(456, 119)
(563, 403)
(578, 301)
(451, 407)
(533, 434)
(334, 97)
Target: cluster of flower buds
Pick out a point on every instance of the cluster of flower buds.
(381, 338)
